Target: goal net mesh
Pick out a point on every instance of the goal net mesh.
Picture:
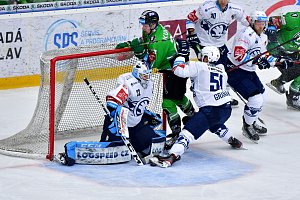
(76, 112)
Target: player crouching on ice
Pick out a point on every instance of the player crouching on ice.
(209, 90)
(133, 92)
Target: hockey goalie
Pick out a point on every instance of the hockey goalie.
(129, 128)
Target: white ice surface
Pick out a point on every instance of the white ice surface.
(209, 170)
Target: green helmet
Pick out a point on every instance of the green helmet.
(291, 21)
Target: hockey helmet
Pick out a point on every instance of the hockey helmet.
(258, 16)
(149, 17)
(142, 71)
(212, 53)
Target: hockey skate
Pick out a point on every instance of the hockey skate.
(235, 143)
(60, 158)
(292, 101)
(170, 142)
(260, 130)
(234, 103)
(163, 162)
(249, 132)
(277, 86)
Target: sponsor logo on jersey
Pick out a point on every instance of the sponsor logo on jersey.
(254, 51)
(192, 16)
(220, 95)
(239, 53)
(122, 95)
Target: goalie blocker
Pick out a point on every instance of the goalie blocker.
(99, 153)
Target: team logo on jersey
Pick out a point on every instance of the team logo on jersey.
(138, 107)
(214, 30)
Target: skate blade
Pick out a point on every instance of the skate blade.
(235, 106)
(246, 136)
(274, 88)
(241, 148)
(292, 108)
(155, 162)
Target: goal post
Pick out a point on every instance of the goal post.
(66, 109)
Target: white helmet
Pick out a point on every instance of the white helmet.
(142, 71)
(258, 16)
(211, 52)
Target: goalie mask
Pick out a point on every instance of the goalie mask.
(211, 53)
(142, 72)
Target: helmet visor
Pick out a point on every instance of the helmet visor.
(142, 21)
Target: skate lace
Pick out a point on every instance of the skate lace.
(296, 103)
(250, 130)
(257, 126)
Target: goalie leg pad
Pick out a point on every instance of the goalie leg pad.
(97, 152)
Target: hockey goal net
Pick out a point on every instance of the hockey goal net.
(66, 108)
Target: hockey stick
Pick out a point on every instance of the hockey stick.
(243, 100)
(263, 53)
(121, 127)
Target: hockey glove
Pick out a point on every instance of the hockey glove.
(262, 63)
(123, 45)
(286, 64)
(271, 32)
(138, 48)
(193, 40)
(194, 43)
(183, 49)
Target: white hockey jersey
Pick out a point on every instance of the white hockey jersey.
(208, 83)
(211, 23)
(246, 45)
(130, 94)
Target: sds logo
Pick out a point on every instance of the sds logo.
(61, 34)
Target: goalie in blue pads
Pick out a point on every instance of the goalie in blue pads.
(127, 117)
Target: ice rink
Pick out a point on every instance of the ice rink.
(209, 170)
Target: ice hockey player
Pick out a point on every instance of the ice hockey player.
(280, 30)
(211, 96)
(208, 26)
(134, 92)
(157, 42)
(247, 45)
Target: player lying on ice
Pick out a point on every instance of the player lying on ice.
(211, 96)
(134, 91)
